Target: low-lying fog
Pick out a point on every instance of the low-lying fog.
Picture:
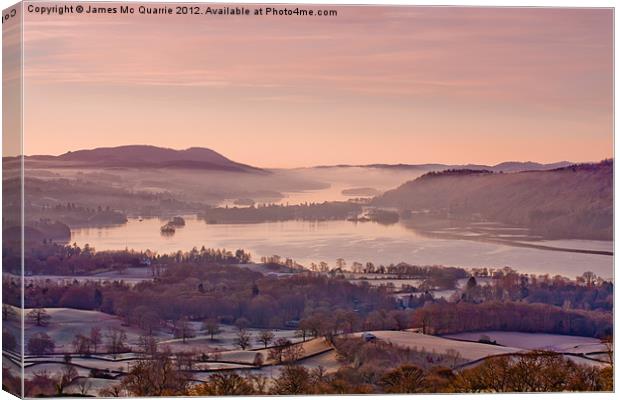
(291, 186)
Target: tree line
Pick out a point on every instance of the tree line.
(50, 258)
(444, 318)
(163, 375)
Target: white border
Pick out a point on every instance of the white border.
(484, 3)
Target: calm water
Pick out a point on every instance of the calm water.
(326, 241)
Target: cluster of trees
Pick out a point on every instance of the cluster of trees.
(204, 257)
(164, 375)
(38, 317)
(44, 384)
(217, 292)
(195, 286)
(159, 375)
(51, 258)
(376, 354)
(587, 292)
(77, 215)
(444, 318)
(88, 344)
(454, 172)
(285, 352)
(58, 259)
(320, 305)
(275, 262)
(434, 276)
(320, 323)
(533, 372)
(39, 343)
(404, 270)
(115, 341)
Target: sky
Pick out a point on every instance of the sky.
(372, 85)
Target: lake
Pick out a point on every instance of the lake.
(306, 242)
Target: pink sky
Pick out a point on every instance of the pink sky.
(389, 85)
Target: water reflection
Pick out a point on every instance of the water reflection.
(307, 242)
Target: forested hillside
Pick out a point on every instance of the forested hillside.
(569, 202)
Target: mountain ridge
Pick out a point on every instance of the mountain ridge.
(506, 166)
(148, 156)
(139, 155)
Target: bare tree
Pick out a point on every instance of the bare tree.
(224, 384)
(148, 321)
(293, 379)
(148, 345)
(40, 343)
(84, 384)
(453, 357)
(243, 339)
(423, 319)
(158, 376)
(67, 375)
(266, 337)
(39, 317)
(95, 337)
(212, 327)
(404, 379)
(323, 266)
(259, 383)
(284, 351)
(184, 329)
(292, 352)
(116, 340)
(82, 344)
(589, 277)
(608, 342)
(112, 391)
(312, 325)
(275, 353)
(184, 361)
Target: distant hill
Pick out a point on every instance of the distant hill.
(569, 202)
(508, 166)
(516, 166)
(144, 156)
